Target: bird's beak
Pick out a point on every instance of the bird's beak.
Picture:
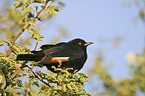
(88, 43)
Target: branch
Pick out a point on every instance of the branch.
(38, 77)
(40, 80)
(13, 41)
(18, 35)
(19, 70)
(42, 9)
(35, 46)
(28, 87)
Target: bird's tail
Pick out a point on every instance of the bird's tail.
(29, 57)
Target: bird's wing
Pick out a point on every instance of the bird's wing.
(47, 46)
(63, 53)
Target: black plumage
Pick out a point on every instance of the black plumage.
(72, 54)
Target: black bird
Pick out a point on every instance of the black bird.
(72, 54)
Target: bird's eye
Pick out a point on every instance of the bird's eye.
(80, 43)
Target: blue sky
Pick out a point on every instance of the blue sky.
(101, 20)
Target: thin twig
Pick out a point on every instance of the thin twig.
(13, 41)
(19, 70)
(42, 9)
(29, 82)
(35, 46)
(41, 80)
(38, 77)
(28, 87)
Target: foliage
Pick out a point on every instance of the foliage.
(24, 16)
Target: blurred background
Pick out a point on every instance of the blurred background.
(116, 27)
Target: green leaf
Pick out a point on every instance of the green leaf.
(75, 87)
(1, 44)
(56, 9)
(69, 86)
(36, 7)
(15, 48)
(64, 87)
(28, 2)
(52, 9)
(58, 88)
(27, 10)
(35, 83)
(2, 54)
(38, 1)
(142, 14)
(61, 3)
(19, 4)
(6, 61)
(35, 34)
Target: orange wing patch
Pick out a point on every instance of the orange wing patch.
(55, 59)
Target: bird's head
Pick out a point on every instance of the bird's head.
(80, 42)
